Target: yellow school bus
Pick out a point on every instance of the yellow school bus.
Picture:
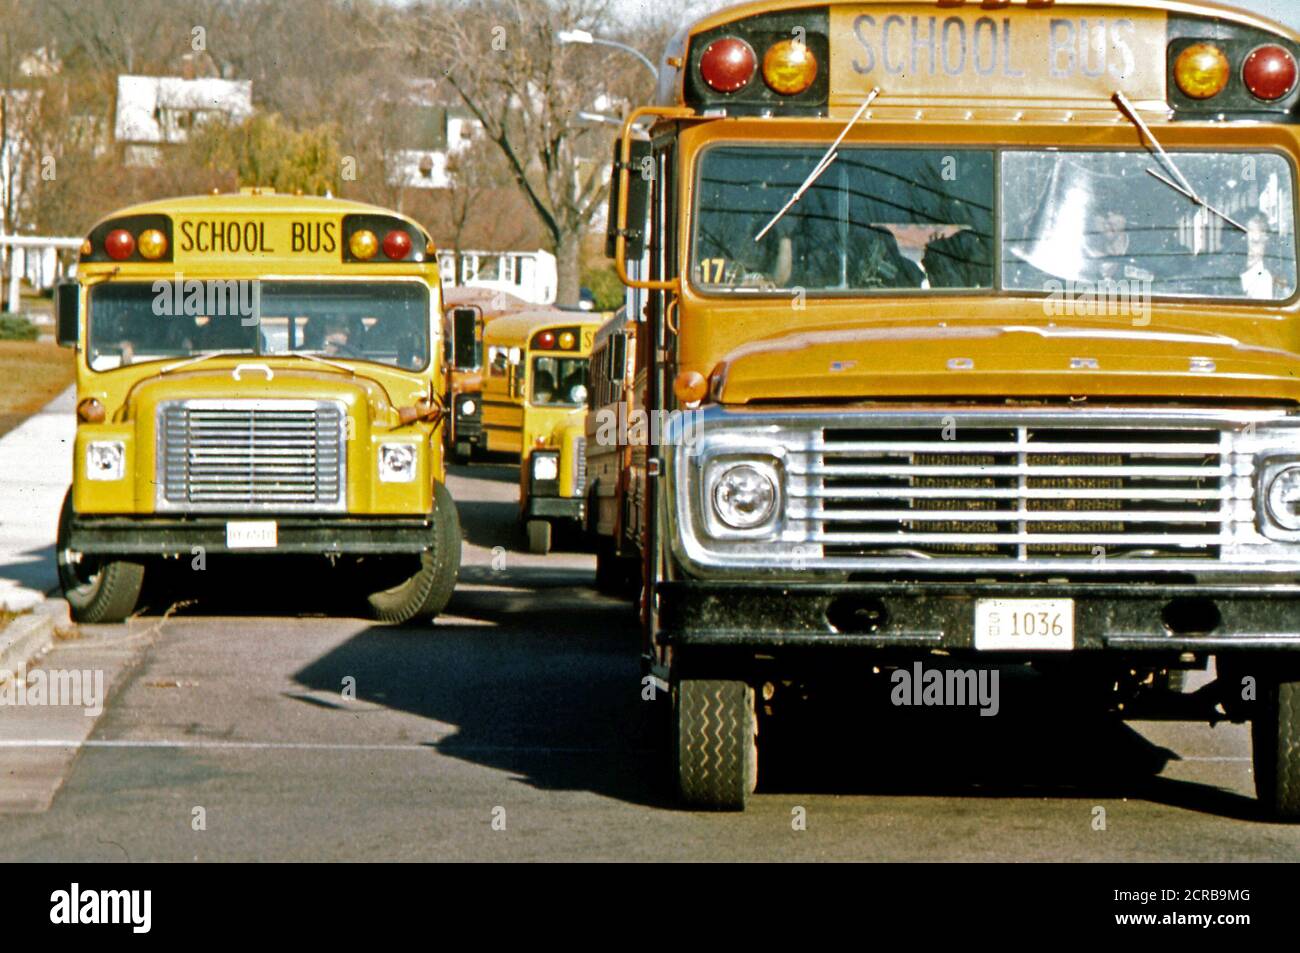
(616, 436)
(534, 404)
(467, 310)
(258, 374)
(975, 331)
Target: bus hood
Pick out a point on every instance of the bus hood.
(363, 396)
(1011, 360)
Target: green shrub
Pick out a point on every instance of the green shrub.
(14, 327)
(605, 288)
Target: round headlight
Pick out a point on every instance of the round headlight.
(467, 408)
(744, 497)
(1284, 499)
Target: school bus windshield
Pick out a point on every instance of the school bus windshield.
(1108, 216)
(911, 220)
(382, 322)
(876, 219)
(559, 381)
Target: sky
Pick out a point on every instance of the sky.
(1284, 11)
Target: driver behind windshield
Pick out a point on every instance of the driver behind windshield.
(341, 336)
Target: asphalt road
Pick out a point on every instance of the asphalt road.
(513, 729)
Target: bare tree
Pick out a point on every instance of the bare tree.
(503, 60)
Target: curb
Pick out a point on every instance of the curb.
(23, 639)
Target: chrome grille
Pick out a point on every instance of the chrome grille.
(1015, 493)
(249, 455)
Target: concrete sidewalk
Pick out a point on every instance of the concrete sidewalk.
(35, 471)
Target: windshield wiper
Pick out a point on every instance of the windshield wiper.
(822, 165)
(204, 357)
(320, 360)
(1182, 186)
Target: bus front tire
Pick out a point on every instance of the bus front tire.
(539, 537)
(97, 590)
(427, 591)
(1275, 749)
(715, 743)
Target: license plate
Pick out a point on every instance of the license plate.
(251, 534)
(1028, 624)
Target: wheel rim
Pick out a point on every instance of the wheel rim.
(78, 571)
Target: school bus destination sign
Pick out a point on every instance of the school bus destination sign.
(983, 54)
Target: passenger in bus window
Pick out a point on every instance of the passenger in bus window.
(543, 387)
(877, 262)
(1257, 281)
(1112, 250)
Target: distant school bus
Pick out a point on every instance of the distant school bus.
(258, 374)
(983, 319)
(535, 398)
(467, 310)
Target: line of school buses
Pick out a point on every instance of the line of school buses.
(533, 384)
(849, 223)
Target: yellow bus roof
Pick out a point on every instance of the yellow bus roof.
(518, 328)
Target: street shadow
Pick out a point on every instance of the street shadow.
(545, 688)
(496, 470)
(490, 523)
(33, 568)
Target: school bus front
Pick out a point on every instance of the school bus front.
(257, 374)
(981, 324)
(552, 471)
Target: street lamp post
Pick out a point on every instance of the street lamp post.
(585, 38)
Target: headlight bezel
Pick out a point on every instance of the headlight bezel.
(1271, 468)
(719, 466)
(467, 407)
(549, 457)
(410, 462)
(99, 473)
(716, 475)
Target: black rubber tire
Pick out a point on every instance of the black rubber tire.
(539, 536)
(1275, 749)
(715, 743)
(110, 594)
(428, 590)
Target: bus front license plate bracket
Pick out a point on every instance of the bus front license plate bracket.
(1024, 624)
(251, 534)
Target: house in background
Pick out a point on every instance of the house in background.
(425, 131)
(154, 112)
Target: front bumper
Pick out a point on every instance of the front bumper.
(469, 427)
(177, 535)
(1126, 618)
(555, 507)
